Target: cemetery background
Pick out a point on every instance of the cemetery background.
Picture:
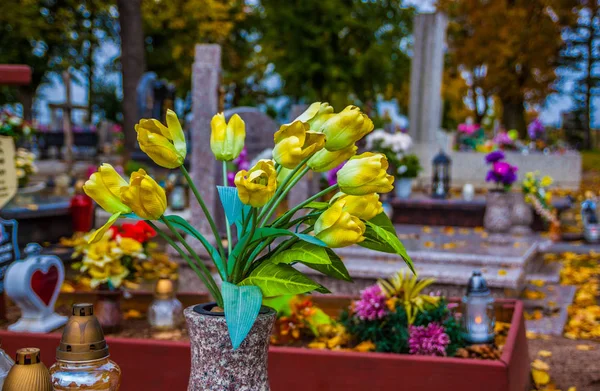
(232, 76)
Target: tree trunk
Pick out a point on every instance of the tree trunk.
(513, 116)
(26, 95)
(133, 64)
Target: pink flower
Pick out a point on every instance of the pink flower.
(468, 128)
(430, 340)
(371, 305)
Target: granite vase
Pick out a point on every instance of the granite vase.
(497, 218)
(521, 215)
(403, 187)
(215, 365)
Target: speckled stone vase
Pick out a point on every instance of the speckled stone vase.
(521, 215)
(215, 365)
(496, 220)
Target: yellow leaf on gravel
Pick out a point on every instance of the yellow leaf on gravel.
(538, 283)
(572, 389)
(540, 378)
(427, 229)
(540, 365)
(429, 244)
(501, 272)
(544, 353)
(585, 348)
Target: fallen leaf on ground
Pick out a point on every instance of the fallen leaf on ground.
(538, 283)
(540, 365)
(584, 348)
(501, 272)
(544, 353)
(540, 378)
(449, 246)
(429, 244)
(427, 229)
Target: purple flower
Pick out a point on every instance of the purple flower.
(332, 175)
(371, 305)
(535, 128)
(493, 157)
(502, 138)
(430, 340)
(502, 172)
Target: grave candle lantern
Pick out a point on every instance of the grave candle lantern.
(478, 311)
(165, 312)
(440, 181)
(82, 361)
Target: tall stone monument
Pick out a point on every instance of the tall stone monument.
(427, 68)
(206, 79)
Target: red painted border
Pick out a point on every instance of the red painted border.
(17, 75)
(163, 365)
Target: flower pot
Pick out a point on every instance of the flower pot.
(108, 311)
(403, 187)
(521, 215)
(215, 365)
(496, 220)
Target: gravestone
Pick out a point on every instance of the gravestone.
(260, 129)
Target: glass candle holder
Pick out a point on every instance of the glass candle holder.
(6, 363)
(82, 357)
(478, 311)
(165, 311)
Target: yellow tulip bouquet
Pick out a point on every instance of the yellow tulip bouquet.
(267, 247)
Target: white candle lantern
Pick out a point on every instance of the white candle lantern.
(478, 311)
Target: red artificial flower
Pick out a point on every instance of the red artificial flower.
(139, 231)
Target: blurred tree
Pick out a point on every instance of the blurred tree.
(579, 71)
(341, 51)
(511, 48)
(454, 95)
(133, 64)
(173, 28)
(51, 36)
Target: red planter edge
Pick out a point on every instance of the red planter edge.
(164, 365)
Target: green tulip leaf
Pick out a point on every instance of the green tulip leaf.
(317, 205)
(335, 269)
(302, 252)
(276, 280)
(383, 221)
(182, 224)
(232, 205)
(241, 305)
(311, 239)
(380, 239)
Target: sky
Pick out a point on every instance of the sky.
(55, 92)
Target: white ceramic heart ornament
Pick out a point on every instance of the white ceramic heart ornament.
(34, 284)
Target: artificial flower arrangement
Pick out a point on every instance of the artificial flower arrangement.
(392, 316)
(535, 190)
(123, 254)
(395, 147)
(25, 166)
(14, 126)
(501, 172)
(255, 265)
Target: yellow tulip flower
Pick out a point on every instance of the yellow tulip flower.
(546, 181)
(338, 228)
(365, 174)
(104, 187)
(364, 207)
(325, 160)
(257, 186)
(227, 139)
(346, 128)
(294, 143)
(316, 115)
(144, 196)
(165, 145)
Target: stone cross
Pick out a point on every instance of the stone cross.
(425, 113)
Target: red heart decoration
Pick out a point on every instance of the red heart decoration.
(44, 284)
